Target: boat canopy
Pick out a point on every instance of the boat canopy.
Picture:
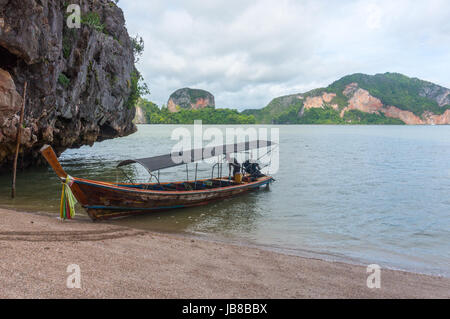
(194, 155)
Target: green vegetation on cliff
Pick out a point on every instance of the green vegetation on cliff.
(328, 115)
(208, 115)
(392, 89)
(395, 89)
(280, 105)
(358, 117)
(371, 96)
(187, 98)
(195, 94)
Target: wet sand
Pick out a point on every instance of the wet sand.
(119, 262)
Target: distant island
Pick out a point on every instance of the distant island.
(186, 105)
(389, 98)
(190, 99)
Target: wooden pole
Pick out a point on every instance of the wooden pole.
(196, 166)
(18, 138)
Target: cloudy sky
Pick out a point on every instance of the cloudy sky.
(248, 52)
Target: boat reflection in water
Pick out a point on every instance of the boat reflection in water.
(226, 217)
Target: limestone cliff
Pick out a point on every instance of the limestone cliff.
(388, 98)
(187, 98)
(79, 79)
(139, 118)
(360, 99)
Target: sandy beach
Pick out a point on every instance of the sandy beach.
(119, 262)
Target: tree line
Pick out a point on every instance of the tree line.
(209, 115)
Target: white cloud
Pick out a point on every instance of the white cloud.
(248, 52)
(374, 15)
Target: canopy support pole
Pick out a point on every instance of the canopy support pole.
(220, 170)
(129, 179)
(218, 167)
(195, 184)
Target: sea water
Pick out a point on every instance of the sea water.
(359, 194)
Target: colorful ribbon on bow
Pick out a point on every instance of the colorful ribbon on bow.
(68, 201)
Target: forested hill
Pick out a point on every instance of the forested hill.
(149, 113)
(388, 98)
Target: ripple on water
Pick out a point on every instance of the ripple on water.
(361, 193)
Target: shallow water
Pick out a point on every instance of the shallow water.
(364, 194)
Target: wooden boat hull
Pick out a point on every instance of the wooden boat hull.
(103, 200)
(106, 200)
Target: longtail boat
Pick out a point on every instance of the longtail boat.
(104, 200)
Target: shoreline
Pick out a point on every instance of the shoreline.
(302, 253)
(121, 262)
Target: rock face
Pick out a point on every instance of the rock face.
(187, 98)
(320, 101)
(10, 104)
(431, 118)
(139, 118)
(360, 99)
(435, 92)
(79, 79)
(389, 95)
(406, 116)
